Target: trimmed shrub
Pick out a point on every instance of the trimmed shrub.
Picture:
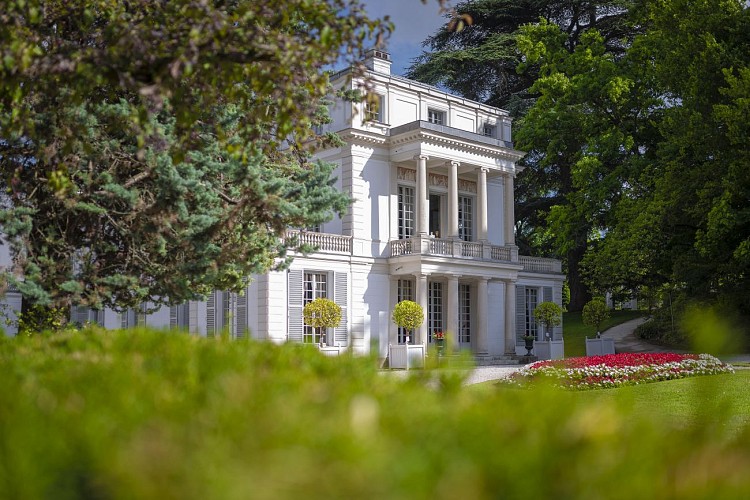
(595, 313)
(549, 315)
(408, 315)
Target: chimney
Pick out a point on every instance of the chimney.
(378, 61)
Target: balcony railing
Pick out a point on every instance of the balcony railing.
(540, 264)
(322, 242)
(471, 250)
(450, 248)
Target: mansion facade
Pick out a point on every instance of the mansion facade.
(432, 221)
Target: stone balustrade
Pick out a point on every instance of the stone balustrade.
(323, 242)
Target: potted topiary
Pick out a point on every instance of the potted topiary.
(322, 314)
(408, 315)
(595, 313)
(549, 315)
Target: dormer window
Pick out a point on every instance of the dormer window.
(374, 108)
(489, 130)
(436, 116)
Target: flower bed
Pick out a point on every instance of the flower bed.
(615, 370)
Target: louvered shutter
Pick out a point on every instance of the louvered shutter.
(547, 294)
(173, 317)
(124, 318)
(340, 296)
(294, 306)
(520, 313)
(211, 315)
(241, 315)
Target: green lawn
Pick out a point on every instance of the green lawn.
(708, 400)
(575, 331)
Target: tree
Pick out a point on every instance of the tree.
(595, 313)
(142, 141)
(549, 315)
(321, 314)
(481, 63)
(408, 315)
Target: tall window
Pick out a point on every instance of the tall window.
(374, 107)
(466, 218)
(436, 116)
(405, 212)
(531, 303)
(405, 292)
(315, 286)
(464, 314)
(434, 309)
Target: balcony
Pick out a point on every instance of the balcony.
(452, 248)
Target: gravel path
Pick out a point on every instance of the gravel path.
(485, 373)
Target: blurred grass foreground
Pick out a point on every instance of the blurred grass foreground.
(155, 415)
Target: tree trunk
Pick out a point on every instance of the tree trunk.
(579, 292)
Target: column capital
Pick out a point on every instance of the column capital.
(452, 163)
(483, 169)
(420, 275)
(421, 157)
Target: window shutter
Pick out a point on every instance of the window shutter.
(520, 313)
(124, 318)
(211, 315)
(340, 296)
(547, 294)
(173, 321)
(241, 315)
(294, 306)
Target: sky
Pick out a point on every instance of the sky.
(414, 22)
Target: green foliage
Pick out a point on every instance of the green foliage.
(565, 50)
(408, 315)
(38, 319)
(595, 313)
(549, 315)
(151, 415)
(322, 313)
(142, 141)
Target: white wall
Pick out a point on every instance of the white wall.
(495, 213)
(495, 318)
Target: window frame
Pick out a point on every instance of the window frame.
(437, 116)
(311, 290)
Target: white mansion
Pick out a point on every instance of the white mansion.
(431, 175)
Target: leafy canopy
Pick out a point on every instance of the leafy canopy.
(595, 312)
(408, 314)
(157, 150)
(548, 314)
(322, 313)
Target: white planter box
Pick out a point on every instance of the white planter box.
(549, 349)
(599, 346)
(406, 356)
(331, 351)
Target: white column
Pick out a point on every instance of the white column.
(453, 198)
(510, 317)
(422, 301)
(510, 218)
(482, 299)
(482, 201)
(452, 311)
(422, 195)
